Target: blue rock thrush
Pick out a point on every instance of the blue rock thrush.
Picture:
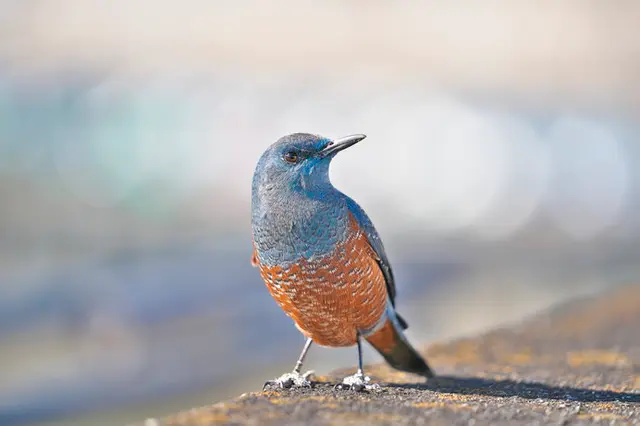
(322, 259)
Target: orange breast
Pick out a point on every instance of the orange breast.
(330, 298)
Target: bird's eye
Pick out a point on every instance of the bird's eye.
(291, 157)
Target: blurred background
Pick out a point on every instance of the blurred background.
(500, 169)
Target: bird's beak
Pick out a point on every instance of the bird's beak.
(341, 143)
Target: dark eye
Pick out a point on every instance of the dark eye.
(291, 157)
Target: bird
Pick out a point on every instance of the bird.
(323, 260)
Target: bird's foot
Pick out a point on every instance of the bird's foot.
(290, 380)
(358, 382)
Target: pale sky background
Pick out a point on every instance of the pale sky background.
(563, 52)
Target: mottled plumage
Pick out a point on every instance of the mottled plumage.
(320, 256)
(324, 296)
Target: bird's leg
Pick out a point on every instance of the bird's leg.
(294, 379)
(358, 382)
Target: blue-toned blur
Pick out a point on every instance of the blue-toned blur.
(500, 169)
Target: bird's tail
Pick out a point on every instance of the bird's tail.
(391, 343)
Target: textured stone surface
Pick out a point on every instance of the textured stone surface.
(578, 363)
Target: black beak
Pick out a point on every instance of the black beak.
(341, 143)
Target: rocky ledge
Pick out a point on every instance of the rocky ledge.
(578, 363)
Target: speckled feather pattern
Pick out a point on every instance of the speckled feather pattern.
(331, 298)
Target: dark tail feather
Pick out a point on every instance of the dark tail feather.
(395, 349)
(402, 321)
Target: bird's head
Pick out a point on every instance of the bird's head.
(300, 162)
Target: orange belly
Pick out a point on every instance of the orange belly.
(332, 298)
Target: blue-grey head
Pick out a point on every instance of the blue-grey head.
(299, 163)
(295, 211)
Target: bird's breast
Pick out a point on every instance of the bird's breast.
(285, 234)
(334, 295)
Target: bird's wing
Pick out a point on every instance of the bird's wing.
(376, 244)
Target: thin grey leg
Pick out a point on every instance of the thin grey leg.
(360, 372)
(294, 379)
(303, 355)
(358, 381)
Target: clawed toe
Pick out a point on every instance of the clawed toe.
(290, 380)
(279, 384)
(358, 383)
(357, 387)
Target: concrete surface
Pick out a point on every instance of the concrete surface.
(577, 363)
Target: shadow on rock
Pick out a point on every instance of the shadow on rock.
(510, 388)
